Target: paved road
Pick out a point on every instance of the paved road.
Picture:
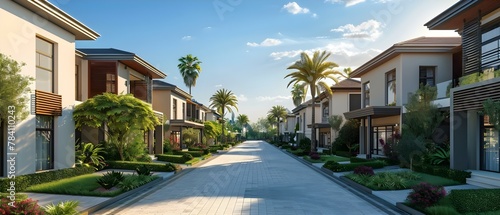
(253, 178)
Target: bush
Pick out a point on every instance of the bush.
(441, 210)
(132, 182)
(336, 167)
(475, 201)
(110, 179)
(425, 195)
(24, 181)
(27, 206)
(143, 170)
(167, 146)
(187, 156)
(453, 174)
(314, 155)
(204, 150)
(172, 158)
(348, 138)
(358, 160)
(132, 165)
(63, 208)
(343, 154)
(192, 153)
(364, 170)
(305, 144)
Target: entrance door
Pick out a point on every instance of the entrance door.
(490, 150)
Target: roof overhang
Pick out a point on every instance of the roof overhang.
(60, 18)
(320, 125)
(454, 17)
(374, 112)
(185, 123)
(131, 60)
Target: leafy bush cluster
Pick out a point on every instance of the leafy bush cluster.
(336, 167)
(110, 179)
(424, 195)
(358, 160)
(453, 174)
(143, 170)
(192, 153)
(27, 206)
(384, 180)
(348, 138)
(314, 155)
(364, 170)
(132, 182)
(130, 165)
(24, 181)
(305, 145)
(173, 158)
(476, 200)
(62, 208)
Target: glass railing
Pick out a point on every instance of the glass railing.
(443, 89)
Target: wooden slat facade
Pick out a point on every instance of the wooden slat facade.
(473, 98)
(48, 103)
(471, 46)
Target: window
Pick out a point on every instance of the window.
(44, 65)
(174, 109)
(354, 101)
(490, 47)
(391, 87)
(183, 111)
(427, 76)
(326, 112)
(366, 94)
(110, 83)
(44, 142)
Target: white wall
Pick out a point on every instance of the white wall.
(20, 28)
(377, 80)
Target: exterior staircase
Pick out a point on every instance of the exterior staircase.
(484, 179)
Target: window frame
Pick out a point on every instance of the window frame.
(390, 81)
(426, 78)
(366, 98)
(37, 66)
(51, 142)
(484, 30)
(174, 108)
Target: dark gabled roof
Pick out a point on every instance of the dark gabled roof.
(417, 45)
(454, 17)
(162, 85)
(128, 58)
(348, 83)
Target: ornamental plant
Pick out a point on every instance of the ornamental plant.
(364, 170)
(314, 156)
(425, 195)
(27, 206)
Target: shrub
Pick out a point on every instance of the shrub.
(305, 144)
(336, 167)
(344, 154)
(348, 138)
(110, 179)
(475, 201)
(364, 170)
(192, 153)
(441, 210)
(425, 195)
(387, 181)
(24, 181)
(27, 206)
(171, 158)
(314, 155)
(187, 156)
(132, 182)
(63, 208)
(167, 146)
(453, 174)
(90, 155)
(202, 149)
(143, 170)
(358, 160)
(133, 165)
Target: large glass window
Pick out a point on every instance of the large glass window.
(490, 147)
(366, 94)
(174, 108)
(111, 83)
(44, 142)
(490, 47)
(44, 65)
(426, 76)
(390, 77)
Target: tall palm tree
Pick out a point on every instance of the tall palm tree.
(276, 113)
(243, 121)
(347, 72)
(223, 100)
(312, 72)
(190, 69)
(298, 94)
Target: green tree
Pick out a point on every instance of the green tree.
(298, 94)
(335, 122)
(312, 73)
(242, 120)
(122, 115)
(212, 130)
(276, 114)
(13, 88)
(190, 69)
(223, 100)
(190, 136)
(422, 116)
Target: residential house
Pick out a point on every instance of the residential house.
(391, 77)
(303, 114)
(100, 70)
(180, 111)
(287, 127)
(346, 96)
(42, 36)
(474, 141)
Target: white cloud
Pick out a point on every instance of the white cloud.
(347, 3)
(208, 28)
(294, 8)
(241, 98)
(186, 38)
(369, 30)
(266, 42)
(314, 15)
(273, 98)
(218, 86)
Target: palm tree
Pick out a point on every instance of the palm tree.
(312, 72)
(276, 113)
(190, 69)
(242, 120)
(298, 94)
(223, 100)
(347, 72)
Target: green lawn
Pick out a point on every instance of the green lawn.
(325, 158)
(84, 185)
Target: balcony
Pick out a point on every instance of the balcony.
(48, 103)
(479, 77)
(443, 94)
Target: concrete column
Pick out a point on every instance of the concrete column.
(370, 138)
(473, 140)
(458, 140)
(159, 138)
(151, 141)
(362, 139)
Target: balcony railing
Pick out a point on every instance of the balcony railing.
(443, 89)
(478, 77)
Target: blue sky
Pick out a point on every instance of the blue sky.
(246, 45)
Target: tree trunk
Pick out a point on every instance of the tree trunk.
(313, 121)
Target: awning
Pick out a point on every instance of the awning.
(374, 112)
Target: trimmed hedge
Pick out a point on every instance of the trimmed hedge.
(193, 153)
(24, 181)
(476, 200)
(193, 149)
(172, 158)
(453, 174)
(193, 161)
(336, 167)
(131, 165)
(298, 152)
(358, 160)
(343, 154)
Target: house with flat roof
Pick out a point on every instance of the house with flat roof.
(43, 37)
(391, 77)
(474, 142)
